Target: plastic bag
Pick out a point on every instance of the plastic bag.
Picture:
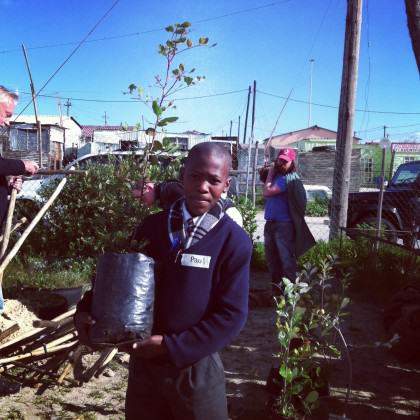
(123, 297)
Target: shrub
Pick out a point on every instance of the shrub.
(91, 212)
(317, 207)
(258, 262)
(249, 213)
(42, 274)
(378, 275)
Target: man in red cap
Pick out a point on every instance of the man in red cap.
(286, 234)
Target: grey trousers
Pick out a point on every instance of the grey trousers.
(161, 391)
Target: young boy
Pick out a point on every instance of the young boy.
(201, 300)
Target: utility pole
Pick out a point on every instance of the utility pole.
(254, 93)
(246, 114)
(60, 111)
(68, 104)
(311, 69)
(251, 140)
(239, 132)
(230, 130)
(37, 121)
(342, 166)
(105, 117)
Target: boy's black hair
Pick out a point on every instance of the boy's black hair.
(211, 148)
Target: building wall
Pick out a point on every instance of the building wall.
(317, 168)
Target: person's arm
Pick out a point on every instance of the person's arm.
(270, 188)
(17, 167)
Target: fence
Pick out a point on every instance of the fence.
(393, 204)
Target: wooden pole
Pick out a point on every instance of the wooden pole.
(254, 93)
(31, 226)
(8, 226)
(254, 170)
(341, 181)
(246, 114)
(38, 123)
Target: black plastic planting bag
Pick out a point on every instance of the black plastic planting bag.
(123, 296)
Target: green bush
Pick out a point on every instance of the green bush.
(42, 274)
(378, 275)
(92, 212)
(258, 261)
(317, 207)
(249, 213)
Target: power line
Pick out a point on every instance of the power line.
(71, 54)
(336, 107)
(381, 127)
(138, 33)
(142, 100)
(232, 92)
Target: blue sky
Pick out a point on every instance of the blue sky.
(267, 41)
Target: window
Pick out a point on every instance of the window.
(409, 159)
(367, 170)
(24, 139)
(406, 173)
(181, 142)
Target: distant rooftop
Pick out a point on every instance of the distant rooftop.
(87, 130)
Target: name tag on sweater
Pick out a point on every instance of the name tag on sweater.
(193, 260)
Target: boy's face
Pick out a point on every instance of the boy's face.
(205, 179)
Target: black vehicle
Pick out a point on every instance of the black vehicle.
(400, 208)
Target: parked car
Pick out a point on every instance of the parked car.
(314, 192)
(400, 208)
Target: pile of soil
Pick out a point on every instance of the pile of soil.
(15, 312)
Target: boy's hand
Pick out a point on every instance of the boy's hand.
(149, 348)
(83, 321)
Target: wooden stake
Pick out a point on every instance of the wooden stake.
(29, 229)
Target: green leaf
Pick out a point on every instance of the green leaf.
(286, 373)
(188, 80)
(166, 121)
(156, 108)
(157, 145)
(189, 43)
(344, 302)
(203, 41)
(312, 397)
(132, 87)
(186, 24)
(169, 28)
(181, 67)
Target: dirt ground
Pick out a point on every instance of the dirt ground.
(382, 387)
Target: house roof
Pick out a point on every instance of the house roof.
(314, 132)
(45, 119)
(194, 133)
(87, 130)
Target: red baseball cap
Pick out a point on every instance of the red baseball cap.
(288, 155)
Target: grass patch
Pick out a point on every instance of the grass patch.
(42, 274)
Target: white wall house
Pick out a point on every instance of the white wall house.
(72, 129)
(99, 139)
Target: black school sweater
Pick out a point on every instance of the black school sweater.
(197, 310)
